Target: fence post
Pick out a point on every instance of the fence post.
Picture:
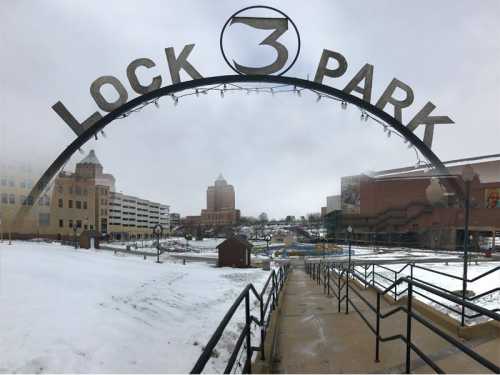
(366, 267)
(377, 339)
(338, 288)
(408, 327)
(274, 288)
(347, 291)
(248, 324)
(373, 275)
(328, 279)
(262, 328)
(395, 286)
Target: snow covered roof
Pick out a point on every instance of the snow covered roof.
(91, 158)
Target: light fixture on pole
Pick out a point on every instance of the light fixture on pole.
(267, 239)
(467, 177)
(158, 231)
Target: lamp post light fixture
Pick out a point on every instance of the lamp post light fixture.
(267, 239)
(158, 231)
(467, 176)
(349, 235)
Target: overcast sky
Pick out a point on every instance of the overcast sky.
(283, 154)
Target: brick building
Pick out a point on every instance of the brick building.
(220, 209)
(409, 206)
(76, 202)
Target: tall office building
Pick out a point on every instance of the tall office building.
(220, 209)
(220, 196)
(220, 205)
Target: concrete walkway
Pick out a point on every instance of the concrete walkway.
(314, 338)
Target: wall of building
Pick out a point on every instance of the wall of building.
(77, 201)
(133, 217)
(393, 204)
(220, 209)
(16, 182)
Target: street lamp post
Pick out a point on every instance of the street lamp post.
(349, 234)
(157, 231)
(467, 176)
(267, 239)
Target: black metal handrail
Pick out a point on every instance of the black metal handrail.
(332, 271)
(396, 294)
(277, 280)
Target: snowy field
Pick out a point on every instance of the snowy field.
(207, 245)
(67, 310)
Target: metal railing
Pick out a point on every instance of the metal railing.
(379, 279)
(341, 274)
(267, 300)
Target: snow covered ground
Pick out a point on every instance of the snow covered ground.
(67, 310)
(484, 284)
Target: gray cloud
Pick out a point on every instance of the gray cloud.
(283, 154)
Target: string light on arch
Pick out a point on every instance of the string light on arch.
(274, 90)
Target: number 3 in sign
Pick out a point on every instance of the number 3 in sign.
(280, 26)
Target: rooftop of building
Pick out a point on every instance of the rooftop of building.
(424, 169)
(91, 158)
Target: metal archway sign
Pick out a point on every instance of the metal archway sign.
(361, 84)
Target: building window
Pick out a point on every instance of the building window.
(60, 188)
(5, 198)
(71, 189)
(84, 205)
(23, 184)
(85, 227)
(44, 219)
(4, 182)
(91, 227)
(61, 204)
(78, 223)
(12, 199)
(70, 223)
(78, 205)
(61, 223)
(70, 203)
(11, 183)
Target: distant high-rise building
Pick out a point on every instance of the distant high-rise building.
(220, 196)
(220, 209)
